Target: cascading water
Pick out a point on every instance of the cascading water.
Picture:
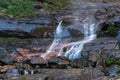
(76, 47)
(87, 25)
(57, 39)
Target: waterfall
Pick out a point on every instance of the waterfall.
(57, 39)
(76, 47)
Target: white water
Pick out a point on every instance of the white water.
(57, 39)
(76, 47)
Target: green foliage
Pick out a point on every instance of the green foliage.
(16, 7)
(112, 60)
(53, 5)
(112, 30)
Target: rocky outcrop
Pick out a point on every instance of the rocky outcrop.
(27, 28)
(108, 10)
(26, 60)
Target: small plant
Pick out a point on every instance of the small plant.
(112, 30)
(112, 60)
(16, 7)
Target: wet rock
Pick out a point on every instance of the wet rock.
(26, 53)
(2, 52)
(31, 77)
(79, 63)
(101, 49)
(38, 61)
(112, 53)
(15, 33)
(62, 74)
(38, 49)
(69, 19)
(49, 55)
(96, 73)
(105, 43)
(75, 31)
(43, 32)
(58, 62)
(92, 57)
(89, 74)
(5, 58)
(22, 51)
(103, 78)
(108, 10)
(112, 70)
(6, 68)
(13, 74)
(26, 28)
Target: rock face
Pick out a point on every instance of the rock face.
(73, 16)
(26, 28)
(104, 13)
(109, 10)
(69, 74)
(24, 58)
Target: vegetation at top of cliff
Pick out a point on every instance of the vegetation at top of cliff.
(53, 5)
(16, 7)
(21, 8)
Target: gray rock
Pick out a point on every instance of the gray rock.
(112, 70)
(5, 57)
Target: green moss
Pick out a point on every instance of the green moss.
(112, 30)
(53, 5)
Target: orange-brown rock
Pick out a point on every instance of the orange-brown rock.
(49, 55)
(26, 53)
(23, 52)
